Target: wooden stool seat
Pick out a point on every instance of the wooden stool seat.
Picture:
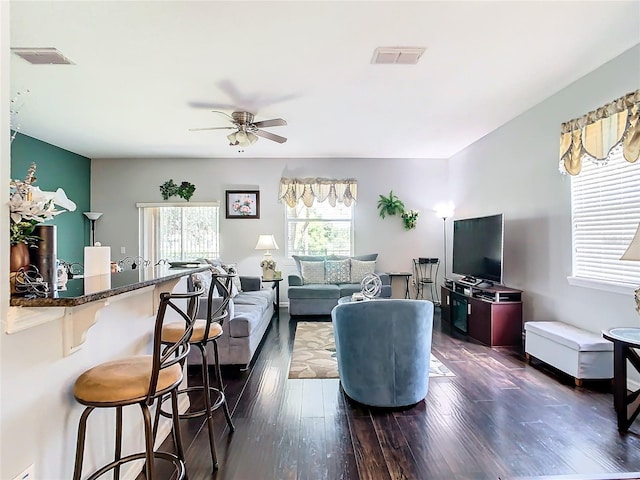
(124, 381)
(172, 331)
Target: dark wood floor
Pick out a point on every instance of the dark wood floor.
(498, 418)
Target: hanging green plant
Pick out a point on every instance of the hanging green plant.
(390, 205)
(185, 190)
(409, 219)
(168, 189)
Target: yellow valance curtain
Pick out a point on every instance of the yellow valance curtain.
(309, 189)
(601, 133)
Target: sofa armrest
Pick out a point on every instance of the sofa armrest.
(250, 283)
(295, 280)
(384, 277)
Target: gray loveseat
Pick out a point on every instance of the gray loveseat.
(250, 312)
(321, 280)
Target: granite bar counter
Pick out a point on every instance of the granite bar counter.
(79, 305)
(82, 290)
(49, 342)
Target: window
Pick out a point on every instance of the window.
(605, 203)
(177, 231)
(320, 229)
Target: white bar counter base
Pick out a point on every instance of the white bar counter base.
(79, 307)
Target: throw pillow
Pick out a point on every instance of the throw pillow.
(312, 272)
(232, 270)
(360, 268)
(338, 271)
(306, 258)
(222, 271)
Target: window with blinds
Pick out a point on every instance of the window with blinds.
(320, 229)
(605, 206)
(179, 231)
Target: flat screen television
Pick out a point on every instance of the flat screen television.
(477, 247)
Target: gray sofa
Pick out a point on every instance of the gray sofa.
(321, 280)
(250, 314)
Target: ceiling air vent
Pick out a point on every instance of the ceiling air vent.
(42, 56)
(397, 55)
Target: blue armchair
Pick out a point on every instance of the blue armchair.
(384, 349)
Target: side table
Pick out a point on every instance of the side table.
(275, 284)
(407, 276)
(626, 404)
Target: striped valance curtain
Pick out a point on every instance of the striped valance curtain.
(308, 190)
(607, 131)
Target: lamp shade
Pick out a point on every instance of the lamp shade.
(444, 210)
(266, 242)
(92, 215)
(633, 250)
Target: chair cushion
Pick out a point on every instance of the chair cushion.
(246, 320)
(314, 291)
(260, 298)
(123, 381)
(173, 332)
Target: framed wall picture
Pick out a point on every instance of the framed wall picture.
(243, 203)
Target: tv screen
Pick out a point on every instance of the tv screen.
(477, 247)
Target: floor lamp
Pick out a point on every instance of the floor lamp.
(444, 211)
(93, 216)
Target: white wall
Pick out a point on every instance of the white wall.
(116, 186)
(514, 170)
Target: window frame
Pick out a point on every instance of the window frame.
(352, 229)
(143, 229)
(628, 224)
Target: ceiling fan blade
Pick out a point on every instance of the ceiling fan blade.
(212, 128)
(270, 136)
(275, 122)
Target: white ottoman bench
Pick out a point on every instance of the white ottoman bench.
(581, 354)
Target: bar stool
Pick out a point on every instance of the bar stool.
(206, 331)
(425, 275)
(140, 380)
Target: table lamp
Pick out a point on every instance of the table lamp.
(633, 253)
(268, 265)
(93, 216)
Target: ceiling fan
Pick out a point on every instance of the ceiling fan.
(247, 131)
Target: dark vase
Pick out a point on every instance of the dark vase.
(43, 257)
(19, 257)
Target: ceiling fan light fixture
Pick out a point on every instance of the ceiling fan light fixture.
(252, 138)
(242, 138)
(232, 139)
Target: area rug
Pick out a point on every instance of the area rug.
(314, 353)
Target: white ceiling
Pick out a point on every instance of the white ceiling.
(147, 71)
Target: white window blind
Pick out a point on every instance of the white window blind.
(605, 204)
(179, 231)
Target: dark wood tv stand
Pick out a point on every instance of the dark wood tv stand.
(491, 315)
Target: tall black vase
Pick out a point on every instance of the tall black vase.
(44, 257)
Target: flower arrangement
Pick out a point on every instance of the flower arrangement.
(244, 206)
(29, 206)
(409, 219)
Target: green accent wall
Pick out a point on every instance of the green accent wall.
(56, 167)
